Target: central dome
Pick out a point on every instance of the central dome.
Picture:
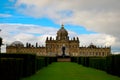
(62, 33)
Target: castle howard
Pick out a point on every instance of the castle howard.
(54, 47)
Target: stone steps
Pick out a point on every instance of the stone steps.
(63, 59)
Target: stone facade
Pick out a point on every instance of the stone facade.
(54, 47)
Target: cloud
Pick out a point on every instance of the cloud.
(26, 28)
(97, 39)
(26, 33)
(101, 16)
(5, 15)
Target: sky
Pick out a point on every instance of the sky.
(93, 21)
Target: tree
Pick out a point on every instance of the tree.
(1, 41)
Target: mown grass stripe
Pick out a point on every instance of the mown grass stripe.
(70, 71)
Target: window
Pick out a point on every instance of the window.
(102, 53)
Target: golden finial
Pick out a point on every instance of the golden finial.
(62, 25)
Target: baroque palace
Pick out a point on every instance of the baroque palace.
(54, 47)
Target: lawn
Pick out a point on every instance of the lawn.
(70, 71)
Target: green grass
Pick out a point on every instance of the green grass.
(70, 71)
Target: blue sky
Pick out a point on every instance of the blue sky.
(8, 7)
(95, 21)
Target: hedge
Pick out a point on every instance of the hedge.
(15, 66)
(113, 65)
(29, 62)
(11, 68)
(74, 59)
(42, 61)
(98, 63)
(110, 64)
